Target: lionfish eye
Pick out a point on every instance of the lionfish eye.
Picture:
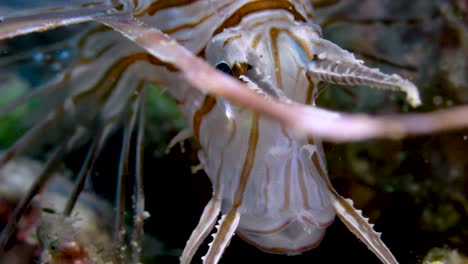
(224, 67)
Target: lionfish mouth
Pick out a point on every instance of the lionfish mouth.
(278, 241)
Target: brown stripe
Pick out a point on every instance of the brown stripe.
(96, 30)
(310, 90)
(226, 230)
(305, 47)
(265, 22)
(229, 39)
(99, 53)
(111, 77)
(136, 93)
(239, 68)
(317, 165)
(163, 4)
(188, 26)
(274, 32)
(256, 41)
(248, 162)
(303, 44)
(256, 6)
(217, 184)
(208, 104)
(198, 22)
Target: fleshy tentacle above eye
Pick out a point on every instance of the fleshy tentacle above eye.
(332, 64)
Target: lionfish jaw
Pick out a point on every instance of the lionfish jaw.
(337, 66)
(360, 226)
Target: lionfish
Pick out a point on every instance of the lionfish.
(270, 184)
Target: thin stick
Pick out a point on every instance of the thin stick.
(139, 183)
(122, 184)
(86, 168)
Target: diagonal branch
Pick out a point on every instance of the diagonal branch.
(329, 125)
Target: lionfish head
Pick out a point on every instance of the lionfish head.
(287, 59)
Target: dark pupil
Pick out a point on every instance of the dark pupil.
(224, 67)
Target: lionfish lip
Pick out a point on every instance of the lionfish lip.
(286, 222)
(289, 248)
(269, 230)
(312, 221)
(355, 73)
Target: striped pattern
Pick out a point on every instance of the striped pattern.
(243, 150)
(265, 171)
(248, 157)
(270, 185)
